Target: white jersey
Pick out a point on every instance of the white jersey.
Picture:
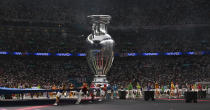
(109, 91)
(79, 97)
(177, 86)
(94, 92)
(102, 93)
(58, 94)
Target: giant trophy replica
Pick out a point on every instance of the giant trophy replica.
(100, 48)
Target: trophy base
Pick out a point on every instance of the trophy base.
(100, 79)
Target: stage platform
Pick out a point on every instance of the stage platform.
(138, 104)
(42, 101)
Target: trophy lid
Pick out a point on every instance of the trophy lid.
(100, 18)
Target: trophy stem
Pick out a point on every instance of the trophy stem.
(99, 29)
(100, 79)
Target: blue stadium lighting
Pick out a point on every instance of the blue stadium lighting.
(203, 53)
(42, 54)
(132, 54)
(81, 54)
(150, 54)
(190, 53)
(26, 53)
(173, 53)
(96, 50)
(116, 54)
(3, 53)
(63, 54)
(17, 53)
(200, 53)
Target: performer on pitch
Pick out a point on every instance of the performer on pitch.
(85, 90)
(92, 91)
(157, 89)
(172, 89)
(138, 90)
(195, 87)
(109, 92)
(102, 92)
(115, 88)
(79, 96)
(58, 96)
(71, 87)
(177, 90)
(130, 91)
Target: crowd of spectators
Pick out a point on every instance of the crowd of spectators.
(40, 42)
(34, 72)
(161, 69)
(145, 41)
(183, 40)
(155, 26)
(125, 13)
(47, 72)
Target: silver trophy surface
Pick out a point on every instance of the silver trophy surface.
(100, 48)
